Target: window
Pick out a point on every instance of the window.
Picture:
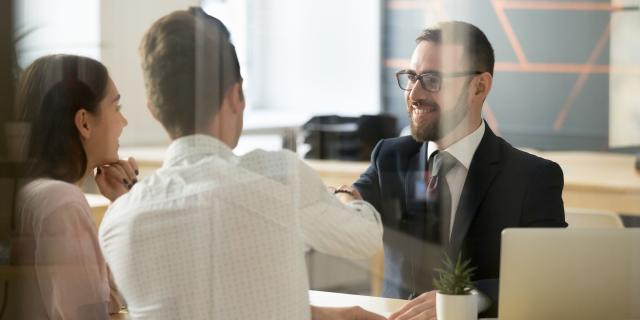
(47, 28)
(314, 57)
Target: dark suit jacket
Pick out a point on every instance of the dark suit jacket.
(504, 188)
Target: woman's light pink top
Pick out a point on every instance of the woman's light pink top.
(55, 243)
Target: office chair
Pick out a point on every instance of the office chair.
(592, 218)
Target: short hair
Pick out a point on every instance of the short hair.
(49, 94)
(189, 63)
(477, 47)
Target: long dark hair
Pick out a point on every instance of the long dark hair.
(50, 92)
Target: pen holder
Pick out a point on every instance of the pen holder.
(456, 307)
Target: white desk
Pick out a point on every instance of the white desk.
(98, 204)
(602, 181)
(382, 306)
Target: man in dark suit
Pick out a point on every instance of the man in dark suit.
(453, 185)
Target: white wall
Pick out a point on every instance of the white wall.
(108, 30)
(61, 26)
(624, 100)
(314, 56)
(123, 23)
(299, 57)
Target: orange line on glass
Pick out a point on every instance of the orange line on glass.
(551, 5)
(549, 67)
(508, 29)
(582, 79)
(521, 5)
(540, 67)
(566, 68)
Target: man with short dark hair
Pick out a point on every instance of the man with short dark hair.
(453, 185)
(213, 235)
(188, 63)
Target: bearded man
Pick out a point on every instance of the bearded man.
(453, 185)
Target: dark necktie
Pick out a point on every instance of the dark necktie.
(438, 216)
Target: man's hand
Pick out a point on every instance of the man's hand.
(346, 193)
(116, 179)
(348, 313)
(422, 307)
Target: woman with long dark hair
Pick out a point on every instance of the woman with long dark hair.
(73, 109)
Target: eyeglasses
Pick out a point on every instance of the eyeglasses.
(431, 81)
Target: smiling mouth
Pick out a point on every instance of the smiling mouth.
(418, 110)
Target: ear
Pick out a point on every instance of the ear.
(236, 97)
(82, 123)
(483, 85)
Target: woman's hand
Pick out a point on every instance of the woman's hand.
(117, 178)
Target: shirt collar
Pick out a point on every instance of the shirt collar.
(464, 149)
(197, 145)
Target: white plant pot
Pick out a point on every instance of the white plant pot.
(17, 134)
(456, 307)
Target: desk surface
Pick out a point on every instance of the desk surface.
(99, 205)
(96, 200)
(382, 306)
(603, 181)
(602, 171)
(596, 180)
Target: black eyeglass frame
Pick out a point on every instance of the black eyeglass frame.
(435, 75)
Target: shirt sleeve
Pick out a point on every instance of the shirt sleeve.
(351, 231)
(70, 268)
(543, 206)
(116, 301)
(368, 183)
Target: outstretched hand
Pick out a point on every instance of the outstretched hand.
(421, 307)
(345, 193)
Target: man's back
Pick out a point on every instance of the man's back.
(215, 236)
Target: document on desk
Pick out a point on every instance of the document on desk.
(382, 306)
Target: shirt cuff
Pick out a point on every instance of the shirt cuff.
(361, 205)
(484, 302)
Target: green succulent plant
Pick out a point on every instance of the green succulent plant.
(454, 278)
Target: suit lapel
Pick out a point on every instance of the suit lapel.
(483, 169)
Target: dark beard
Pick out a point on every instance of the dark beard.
(435, 131)
(428, 132)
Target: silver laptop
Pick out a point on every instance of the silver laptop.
(570, 274)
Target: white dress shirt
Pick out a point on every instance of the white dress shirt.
(212, 235)
(463, 150)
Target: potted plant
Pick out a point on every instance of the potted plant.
(455, 299)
